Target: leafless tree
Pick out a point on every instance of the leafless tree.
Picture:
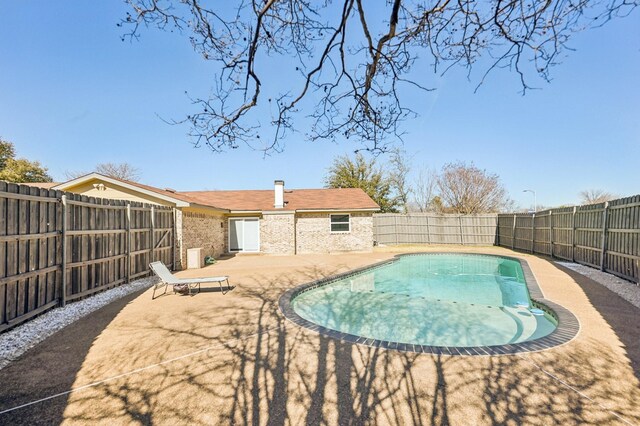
(124, 171)
(346, 64)
(399, 169)
(424, 190)
(595, 196)
(466, 189)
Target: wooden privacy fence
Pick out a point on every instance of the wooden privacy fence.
(430, 228)
(604, 236)
(57, 247)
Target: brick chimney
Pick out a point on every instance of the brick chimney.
(279, 194)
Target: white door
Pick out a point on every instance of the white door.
(244, 234)
(251, 235)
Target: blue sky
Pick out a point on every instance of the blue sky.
(73, 95)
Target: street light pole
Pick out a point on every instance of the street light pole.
(535, 201)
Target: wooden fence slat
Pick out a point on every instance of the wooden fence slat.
(604, 236)
(3, 253)
(84, 203)
(25, 237)
(23, 196)
(28, 274)
(90, 233)
(64, 248)
(429, 228)
(57, 247)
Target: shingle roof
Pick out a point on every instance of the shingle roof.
(296, 199)
(263, 200)
(167, 192)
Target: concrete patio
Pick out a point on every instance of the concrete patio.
(219, 359)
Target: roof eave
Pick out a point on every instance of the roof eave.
(207, 207)
(338, 210)
(63, 186)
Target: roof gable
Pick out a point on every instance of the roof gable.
(172, 197)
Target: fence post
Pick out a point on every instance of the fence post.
(128, 242)
(460, 226)
(603, 244)
(174, 240)
(428, 231)
(63, 296)
(513, 233)
(153, 234)
(573, 234)
(533, 233)
(551, 232)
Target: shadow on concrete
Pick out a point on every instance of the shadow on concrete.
(621, 315)
(51, 367)
(225, 289)
(263, 369)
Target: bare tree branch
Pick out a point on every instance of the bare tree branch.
(596, 196)
(465, 189)
(354, 62)
(424, 190)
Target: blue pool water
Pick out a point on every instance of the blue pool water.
(436, 300)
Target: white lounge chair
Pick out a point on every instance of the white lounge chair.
(167, 278)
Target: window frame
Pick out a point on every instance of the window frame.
(348, 223)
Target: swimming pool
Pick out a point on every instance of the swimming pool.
(429, 300)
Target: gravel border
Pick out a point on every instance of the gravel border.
(623, 288)
(20, 339)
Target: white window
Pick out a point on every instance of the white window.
(340, 223)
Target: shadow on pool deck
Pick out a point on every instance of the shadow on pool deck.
(260, 368)
(51, 367)
(621, 315)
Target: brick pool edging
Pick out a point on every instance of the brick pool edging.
(568, 325)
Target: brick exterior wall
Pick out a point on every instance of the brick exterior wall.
(313, 234)
(203, 230)
(277, 233)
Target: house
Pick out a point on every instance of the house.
(277, 221)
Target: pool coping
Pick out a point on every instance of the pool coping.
(567, 329)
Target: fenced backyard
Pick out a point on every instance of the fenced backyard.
(56, 247)
(605, 236)
(430, 228)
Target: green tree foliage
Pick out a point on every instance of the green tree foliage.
(360, 173)
(19, 169)
(7, 151)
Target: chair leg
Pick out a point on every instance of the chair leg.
(228, 286)
(155, 287)
(192, 287)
